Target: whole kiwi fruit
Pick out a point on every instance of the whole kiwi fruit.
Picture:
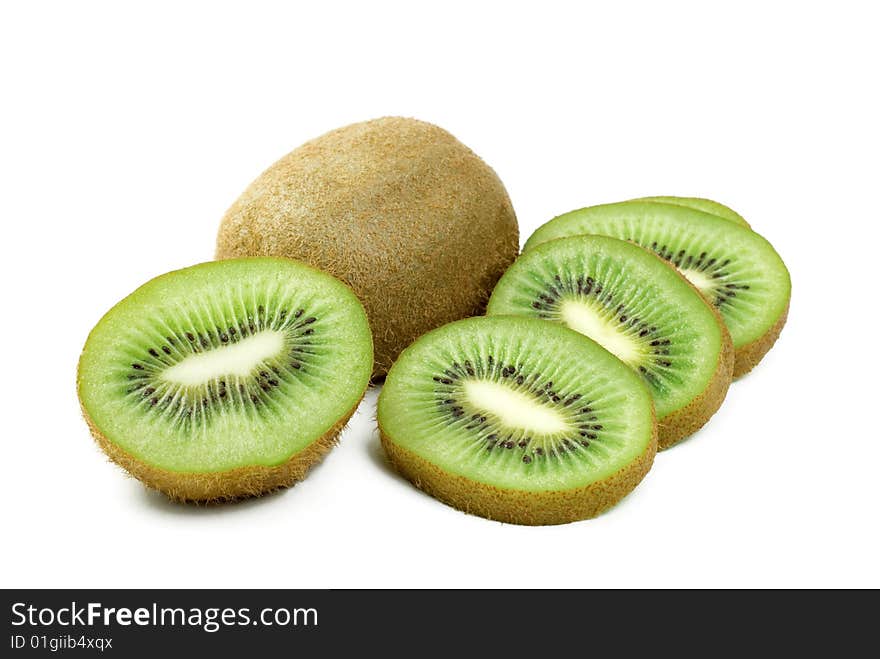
(410, 218)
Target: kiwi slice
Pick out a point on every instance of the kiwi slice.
(700, 204)
(734, 268)
(226, 379)
(517, 420)
(640, 310)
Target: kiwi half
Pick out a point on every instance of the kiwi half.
(639, 309)
(518, 420)
(734, 268)
(700, 204)
(226, 379)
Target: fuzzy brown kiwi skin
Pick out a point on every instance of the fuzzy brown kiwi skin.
(520, 507)
(748, 356)
(222, 486)
(409, 217)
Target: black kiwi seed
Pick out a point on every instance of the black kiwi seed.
(137, 367)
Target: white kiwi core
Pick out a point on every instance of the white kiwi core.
(238, 359)
(513, 408)
(699, 279)
(584, 318)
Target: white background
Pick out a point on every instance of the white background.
(126, 133)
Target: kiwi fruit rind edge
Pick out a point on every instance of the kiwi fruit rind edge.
(225, 380)
(701, 204)
(737, 270)
(517, 420)
(400, 210)
(640, 309)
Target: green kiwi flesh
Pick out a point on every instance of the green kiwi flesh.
(226, 379)
(700, 204)
(734, 268)
(639, 309)
(518, 420)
